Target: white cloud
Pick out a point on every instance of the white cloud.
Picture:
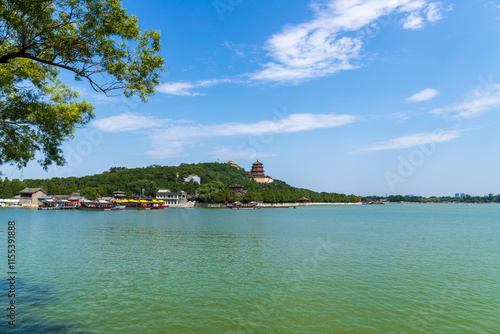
(103, 98)
(127, 122)
(323, 45)
(177, 88)
(174, 135)
(403, 116)
(330, 42)
(474, 106)
(167, 150)
(414, 140)
(292, 123)
(98, 97)
(186, 88)
(414, 21)
(229, 153)
(424, 95)
(184, 135)
(435, 11)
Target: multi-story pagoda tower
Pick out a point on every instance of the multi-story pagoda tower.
(257, 170)
(257, 173)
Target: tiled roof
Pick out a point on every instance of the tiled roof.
(31, 190)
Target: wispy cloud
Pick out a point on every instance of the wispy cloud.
(292, 123)
(414, 140)
(174, 135)
(97, 97)
(402, 116)
(414, 21)
(473, 106)
(186, 88)
(128, 122)
(177, 88)
(325, 45)
(167, 150)
(330, 42)
(431, 12)
(229, 153)
(424, 95)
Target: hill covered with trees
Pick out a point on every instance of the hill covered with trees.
(215, 178)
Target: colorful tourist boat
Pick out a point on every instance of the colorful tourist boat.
(100, 206)
(143, 204)
(158, 204)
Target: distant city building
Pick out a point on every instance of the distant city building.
(257, 173)
(31, 195)
(233, 164)
(172, 199)
(193, 177)
(457, 195)
(462, 194)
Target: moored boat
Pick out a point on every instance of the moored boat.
(241, 206)
(100, 206)
(143, 204)
(158, 204)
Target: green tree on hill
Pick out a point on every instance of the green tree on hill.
(212, 192)
(215, 178)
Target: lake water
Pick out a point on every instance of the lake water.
(397, 268)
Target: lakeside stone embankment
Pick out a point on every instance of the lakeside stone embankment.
(272, 205)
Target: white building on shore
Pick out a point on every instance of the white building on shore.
(173, 199)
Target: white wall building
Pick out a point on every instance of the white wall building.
(172, 199)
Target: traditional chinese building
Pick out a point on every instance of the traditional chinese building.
(257, 173)
(233, 164)
(31, 195)
(238, 189)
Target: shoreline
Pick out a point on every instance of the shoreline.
(274, 205)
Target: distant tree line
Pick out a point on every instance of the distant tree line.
(9, 189)
(215, 178)
(490, 198)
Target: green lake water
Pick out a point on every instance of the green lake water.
(397, 268)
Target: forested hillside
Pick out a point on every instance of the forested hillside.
(215, 178)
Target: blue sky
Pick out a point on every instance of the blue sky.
(352, 96)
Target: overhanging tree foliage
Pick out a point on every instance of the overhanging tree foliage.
(96, 40)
